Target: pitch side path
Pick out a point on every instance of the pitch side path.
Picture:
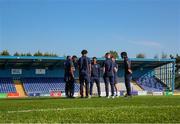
(139, 109)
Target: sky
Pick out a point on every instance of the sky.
(65, 27)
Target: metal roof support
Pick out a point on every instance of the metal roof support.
(173, 75)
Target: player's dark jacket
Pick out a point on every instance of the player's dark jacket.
(83, 63)
(127, 65)
(108, 64)
(68, 64)
(95, 70)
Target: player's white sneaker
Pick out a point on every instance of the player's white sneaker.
(113, 97)
(107, 97)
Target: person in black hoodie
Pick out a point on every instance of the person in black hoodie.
(127, 73)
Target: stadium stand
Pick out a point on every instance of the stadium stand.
(25, 75)
(45, 85)
(150, 84)
(7, 85)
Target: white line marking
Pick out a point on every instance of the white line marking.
(88, 108)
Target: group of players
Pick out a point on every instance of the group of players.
(90, 71)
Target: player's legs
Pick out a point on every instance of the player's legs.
(81, 86)
(67, 89)
(87, 81)
(106, 85)
(111, 79)
(91, 86)
(128, 85)
(72, 88)
(98, 86)
(116, 88)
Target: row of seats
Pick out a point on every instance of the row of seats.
(45, 85)
(150, 83)
(7, 85)
(35, 85)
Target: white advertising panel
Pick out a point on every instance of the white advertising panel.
(142, 93)
(40, 71)
(157, 93)
(16, 71)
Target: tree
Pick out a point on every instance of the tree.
(28, 54)
(114, 53)
(50, 54)
(46, 54)
(156, 56)
(23, 54)
(171, 56)
(140, 55)
(16, 54)
(5, 53)
(38, 53)
(54, 55)
(177, 59)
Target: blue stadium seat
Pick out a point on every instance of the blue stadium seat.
(45, 85)
(7, 85)
(150, 83)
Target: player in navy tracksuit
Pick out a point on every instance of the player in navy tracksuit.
(69, 77)
(95, 76)
(115, 75)
(74, 60)
(84, 72)
(108, 75)
(127, 73)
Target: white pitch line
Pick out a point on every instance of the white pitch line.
(86, 108)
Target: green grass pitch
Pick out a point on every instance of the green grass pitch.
(139, 109)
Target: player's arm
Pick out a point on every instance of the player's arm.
(99, 71)
(90, 69)
(129, 66)
(79, 63)
(116, 68)
(72, 69)
(89, 62)
(103, 67)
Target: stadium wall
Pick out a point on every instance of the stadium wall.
(7, 73)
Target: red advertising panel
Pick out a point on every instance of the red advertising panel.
(55, 94)
(13, 95)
